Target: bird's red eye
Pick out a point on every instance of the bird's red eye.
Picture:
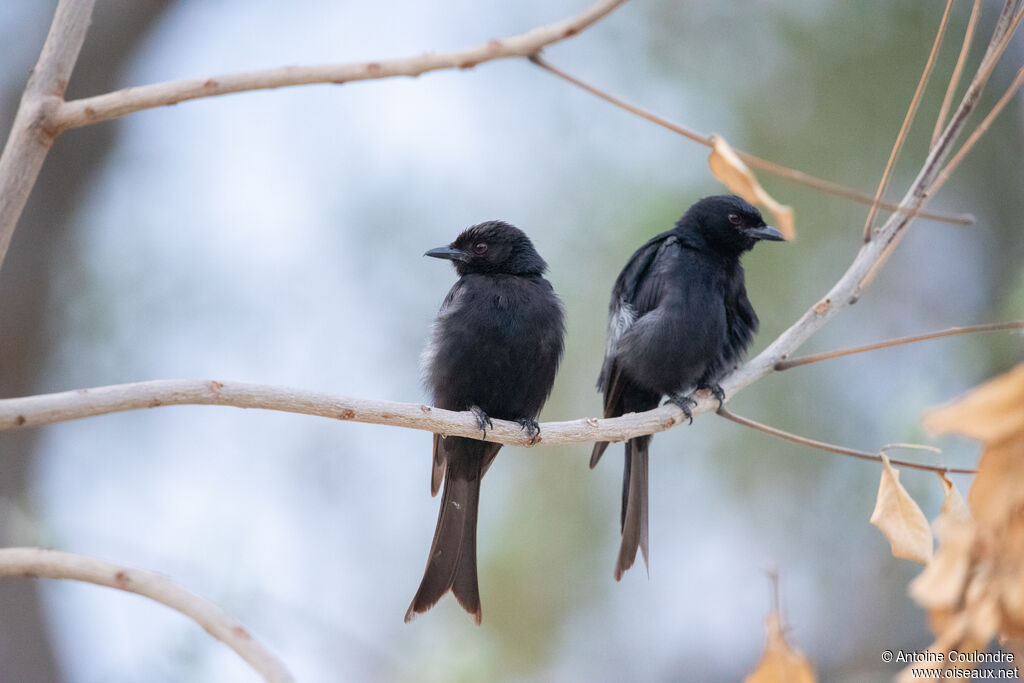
(735, 219)
(480, 248)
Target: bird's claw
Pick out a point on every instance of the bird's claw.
(482, 421)
(718, 392)
(684, 403)
(532, 430)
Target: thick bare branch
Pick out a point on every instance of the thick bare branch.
(31, 135)
(110, 105)
(73, 405)
(53, 564)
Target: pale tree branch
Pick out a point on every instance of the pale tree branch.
(110, 105)
(73, 405)
(43, 113)
(31, 135)
(53, 564)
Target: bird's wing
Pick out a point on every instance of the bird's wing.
(426, 361)
(741, 324)
(452, 295)
(629, 302)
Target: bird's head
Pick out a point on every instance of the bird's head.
(727, 224)
(492, 247)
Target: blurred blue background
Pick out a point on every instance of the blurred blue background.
(277, 236)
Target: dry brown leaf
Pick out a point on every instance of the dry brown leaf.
(942, 582)
(780, 663)
(737, 176)
(954, 509)
(993, 413)
(900, 519)
(974, 588)
(989, 413)
(998, 488)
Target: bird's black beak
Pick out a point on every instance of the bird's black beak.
(447, 253)
(766, 232)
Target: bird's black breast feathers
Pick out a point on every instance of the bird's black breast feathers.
(496, 344)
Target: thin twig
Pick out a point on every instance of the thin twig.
(110, 105)
(947, 171)
(53, 564)
(954, 80)
(831, 448)
(908, 120)
(785, 172)
(953, 331)
(937, 153)
(911, 446)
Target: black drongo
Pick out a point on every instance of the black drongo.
(679, 320)
(494, 349)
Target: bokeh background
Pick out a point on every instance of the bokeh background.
(277, 237)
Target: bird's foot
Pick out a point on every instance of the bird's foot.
(482, 421)
(532, 430)
(717, 391)
(684, 402)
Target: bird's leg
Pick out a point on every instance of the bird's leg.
(482, 421)
(684, 402)
(531, 428)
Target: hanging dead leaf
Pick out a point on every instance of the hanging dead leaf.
(974, 588)
(954, 509)
(993, 413)
(737, 176)
(942, 582)
(780, 663)
(989, 413)
(900, 519)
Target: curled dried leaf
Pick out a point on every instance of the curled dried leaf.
(974, 588)
(900, 519)
(942, 583)
(727, 166)
(954, 509)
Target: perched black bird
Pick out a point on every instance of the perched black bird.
(679, 320)
(494, 349)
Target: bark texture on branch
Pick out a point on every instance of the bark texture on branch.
(53, 564)
(110, 105)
